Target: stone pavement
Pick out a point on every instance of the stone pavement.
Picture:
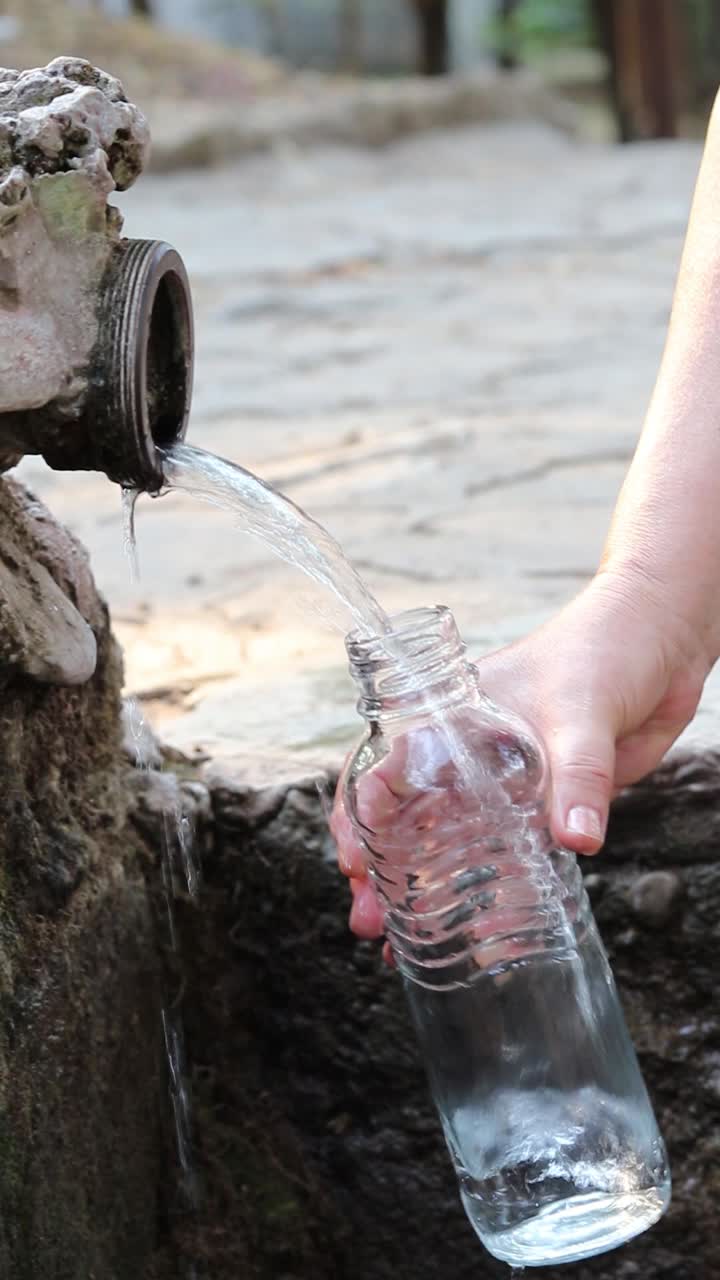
(443, 350)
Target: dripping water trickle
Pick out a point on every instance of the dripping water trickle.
(129, 499)
(180, 873)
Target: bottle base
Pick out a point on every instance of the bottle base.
(576, 1228)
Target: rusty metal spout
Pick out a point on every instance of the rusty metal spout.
(140, 378)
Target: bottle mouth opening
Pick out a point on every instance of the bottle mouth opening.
(419, 656)
(411, 634)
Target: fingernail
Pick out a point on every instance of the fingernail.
(585, 821)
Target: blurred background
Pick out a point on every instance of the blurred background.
(432, 246)
(649, 67)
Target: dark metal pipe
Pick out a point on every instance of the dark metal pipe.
(138, 390)
(140, 383)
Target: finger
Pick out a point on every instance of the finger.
(583, 771)
(366, 915)
(640, 753)
(350, 850)
(383, 788)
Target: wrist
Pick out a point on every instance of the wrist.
(671, 598)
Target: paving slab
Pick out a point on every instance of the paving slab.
(443, 349)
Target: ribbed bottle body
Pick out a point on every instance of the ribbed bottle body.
(531, 1066)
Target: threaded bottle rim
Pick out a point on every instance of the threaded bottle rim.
(418, 661)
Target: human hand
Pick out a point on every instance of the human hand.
(609, 684)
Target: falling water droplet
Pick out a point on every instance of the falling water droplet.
(129, 498)
(186, 846)
(180, 1100)
(136, 725)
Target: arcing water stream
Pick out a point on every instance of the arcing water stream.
(587, 1178)
(284, 528)
(295, 537)
(291, 534)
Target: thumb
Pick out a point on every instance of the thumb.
(583, 770)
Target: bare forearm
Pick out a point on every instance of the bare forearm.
(667, 522)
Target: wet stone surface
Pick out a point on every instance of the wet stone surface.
(81, 1072)
(319, 1151)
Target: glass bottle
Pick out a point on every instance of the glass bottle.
(531, 1066)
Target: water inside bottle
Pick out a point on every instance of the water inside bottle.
(542, 1204)
(554, 1142)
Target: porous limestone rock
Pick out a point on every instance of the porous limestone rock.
(67, 117)
(68, 138)
(43, 634)
(82, 1134)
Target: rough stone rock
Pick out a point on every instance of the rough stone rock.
(158, 796)
(43, 634)
(140, 745)
(318, 1153)
(41, 631)
(316, 1141)
(82, 1134)
(654, 896)
(68, 138)
(55, 119)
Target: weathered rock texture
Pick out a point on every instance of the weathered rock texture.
(318, 1154)
(68, 138)
(68, 117)
(81, 1070)
(319, 1150)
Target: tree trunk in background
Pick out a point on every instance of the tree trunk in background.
(142, 8)
(434, 32)
(704, 59)
(350, 30)
(507, 55)
(603, 17)
(275, 27)
(661, 67)
(645, 44)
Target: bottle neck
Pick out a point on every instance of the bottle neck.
(418, 666)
